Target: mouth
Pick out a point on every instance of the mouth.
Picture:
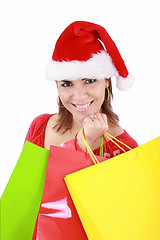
(82, 107)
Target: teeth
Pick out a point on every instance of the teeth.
(83, 106)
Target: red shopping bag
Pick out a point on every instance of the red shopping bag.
(57, 218)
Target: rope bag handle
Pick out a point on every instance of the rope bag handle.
(94, 158)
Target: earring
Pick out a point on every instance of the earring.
(61, 106)
(106, 100)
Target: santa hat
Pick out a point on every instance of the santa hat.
(85, 50)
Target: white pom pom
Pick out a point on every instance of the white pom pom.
(124, 84)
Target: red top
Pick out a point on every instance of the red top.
(36, 134)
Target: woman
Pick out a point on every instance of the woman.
(83, 62)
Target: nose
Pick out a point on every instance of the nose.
(79, 93)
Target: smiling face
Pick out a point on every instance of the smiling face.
(82, 97)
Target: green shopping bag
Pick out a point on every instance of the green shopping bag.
(21, 198)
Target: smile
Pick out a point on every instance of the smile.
(82, 107)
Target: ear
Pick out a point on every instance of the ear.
(106, 83)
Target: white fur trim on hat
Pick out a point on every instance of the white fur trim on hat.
(99, 66)
(124, 84)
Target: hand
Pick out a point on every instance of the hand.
(94, 127)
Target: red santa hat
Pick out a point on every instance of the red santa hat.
(85, 50)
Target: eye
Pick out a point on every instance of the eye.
(88, 81)
(67, 84)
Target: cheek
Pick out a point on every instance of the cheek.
(99, 93)
(64, 96)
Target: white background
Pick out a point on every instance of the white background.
(28, 32)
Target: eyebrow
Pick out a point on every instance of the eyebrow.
(65, 81)
(83, 79)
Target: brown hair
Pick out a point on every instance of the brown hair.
(65, 118)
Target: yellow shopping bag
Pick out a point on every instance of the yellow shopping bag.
(119, 199)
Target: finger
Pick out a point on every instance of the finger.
(89, 119)
(103, 121)
(94, 117)
(100, 117)
(104, 116)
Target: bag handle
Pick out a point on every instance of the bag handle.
(94, 158)
(101, 143)
(111, 139)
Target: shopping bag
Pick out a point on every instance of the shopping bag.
(57, 217)
(22, 196)
(120, 199)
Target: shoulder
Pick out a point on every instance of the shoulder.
(56, 137)
(115, 130)
(51, 121)
(41, 119)
(52, 135)
(37, 127)
(128, 140)
(123, 136)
